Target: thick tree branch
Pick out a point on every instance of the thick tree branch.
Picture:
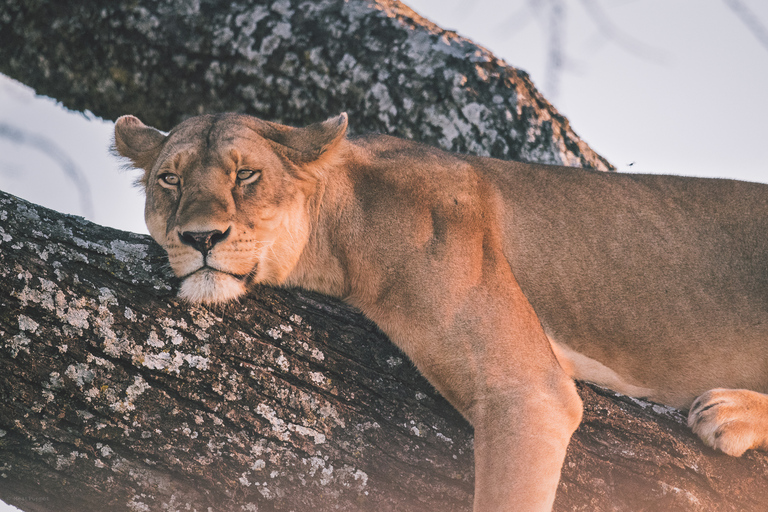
(117, 396)
(288, 61)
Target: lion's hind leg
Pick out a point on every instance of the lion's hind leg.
(731, 420)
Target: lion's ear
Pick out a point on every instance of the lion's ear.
(323, 137)
(312, 143)
(137, 142)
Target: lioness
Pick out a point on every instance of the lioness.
(502, 281)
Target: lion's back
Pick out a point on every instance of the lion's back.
(667, 276)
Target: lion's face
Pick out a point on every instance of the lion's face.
(228, 196)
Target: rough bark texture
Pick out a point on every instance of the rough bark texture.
(292, 61)
(115, 396)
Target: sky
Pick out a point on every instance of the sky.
(655, 86)
(680, 89)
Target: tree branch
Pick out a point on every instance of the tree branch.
(117, 396)
(749, 19)
(53, 151)
(289, 61)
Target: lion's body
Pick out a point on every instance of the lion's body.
(656, 286)
(663, 279)
(486, 273)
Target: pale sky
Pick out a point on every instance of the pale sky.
(679, 89)
(688, 97)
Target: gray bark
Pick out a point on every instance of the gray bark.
(291, 61)
(116, 396)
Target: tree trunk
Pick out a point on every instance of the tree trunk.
(116, 396)
(291, 61)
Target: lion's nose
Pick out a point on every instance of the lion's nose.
(203, 241)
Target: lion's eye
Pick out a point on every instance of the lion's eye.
(168, 179)
(245, 176)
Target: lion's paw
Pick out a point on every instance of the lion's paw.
(731, 420)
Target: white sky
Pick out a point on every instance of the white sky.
(695, 105)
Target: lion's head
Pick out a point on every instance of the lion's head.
(228, 196)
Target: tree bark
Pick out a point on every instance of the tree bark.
(290, 61)
(116, 396)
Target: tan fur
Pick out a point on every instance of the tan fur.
(580, 367)
(731, 420)
(655, 286)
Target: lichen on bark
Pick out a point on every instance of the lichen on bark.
(291, 61)
(262, 402)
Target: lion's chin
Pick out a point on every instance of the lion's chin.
(211, 287)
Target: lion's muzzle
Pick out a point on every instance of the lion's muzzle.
(211, 286)
(203, 241)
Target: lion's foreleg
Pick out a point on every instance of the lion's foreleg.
(451, 302)
(488, 355)
(524, 411)
(520, 445)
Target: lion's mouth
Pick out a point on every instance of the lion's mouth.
(210, 269)
(210, 285)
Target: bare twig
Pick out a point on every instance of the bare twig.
(749, 18)
(47, 146)
(550, 14)
(618, 36)
(552, 17)
(555, 57)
